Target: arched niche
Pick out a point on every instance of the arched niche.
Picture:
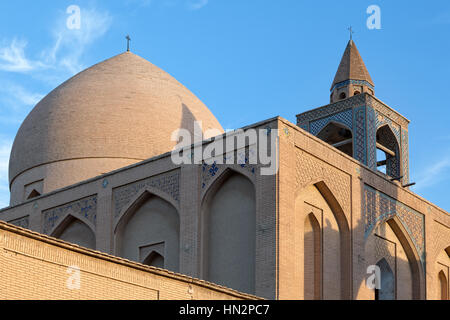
(228, 237)
(33, 194)
(391, 241)
(442, 273)
(332, 264)
(386, 291)
(154, 259)
(442, 286)
(388, 151)
(312, 258)
(150, 223)
(339, 136)
(75, 231)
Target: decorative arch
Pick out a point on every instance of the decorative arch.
(150, 220)
(388, 143)
(338, 135)
(443, 285)
(74, 230)
(138, 199)
(414, 259)
(387, 282)
(65, 220)
(344, 235)
(312, 258)
(217, 179)
(154, 259)
(228, 231)
(33, 194)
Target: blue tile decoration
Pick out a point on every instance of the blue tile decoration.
(344, 117)
(23, 222)
(84, 208)
(371, 139)
(359, 134)
(241, 160)
(379, 208)
(304, 126)
(405, 156)
(354, 82)
(382, 120)
(168, 182)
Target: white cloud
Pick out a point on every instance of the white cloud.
(65, 54)
(61, 58)
(71, 44)
(13, 59)
(20, 94)
(197, 4)
(433, 174)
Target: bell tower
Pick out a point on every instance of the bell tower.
(352, 77)
(359, 124)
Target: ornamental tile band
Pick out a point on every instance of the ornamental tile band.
(344, 117)
(359, 135)
(84, 208)
(354, 82)
(23, 222)
(379, 208)
(168, 183)
(371, 139)
(210, 171)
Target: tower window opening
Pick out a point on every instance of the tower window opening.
(342, 95)
(381, 161)
(338, 136)
(388, 155)
(356, 93)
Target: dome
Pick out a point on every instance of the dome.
(115, 113)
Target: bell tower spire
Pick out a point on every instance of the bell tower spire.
(352, 77)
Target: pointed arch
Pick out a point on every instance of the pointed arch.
(76, 231)
(343, 236)
(417, 271)
(215, 182)
(148, 220)
(312, 258)
(387, 282)
(65, 220)
(228, 232)
(154, 259)
(33, 194)
(338, 135)
(140, 198)
(443, 285)
(387, 142)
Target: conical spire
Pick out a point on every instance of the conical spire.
(352, 67)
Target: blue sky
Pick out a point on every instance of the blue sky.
(247, 60)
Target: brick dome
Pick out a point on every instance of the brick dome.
(120, 111)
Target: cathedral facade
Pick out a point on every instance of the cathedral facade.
(92, 165)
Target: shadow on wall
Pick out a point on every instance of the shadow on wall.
(381, 234)
(389, 247)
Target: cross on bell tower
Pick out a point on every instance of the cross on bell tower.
(128, 42)
(350, 29)
(358, 124)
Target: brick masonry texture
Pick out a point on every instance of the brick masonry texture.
(35, 267)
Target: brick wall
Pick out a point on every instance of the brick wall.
(33, 266)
